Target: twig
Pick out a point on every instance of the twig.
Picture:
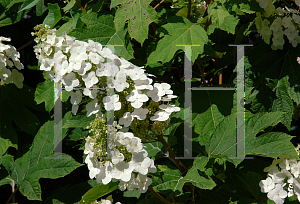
(220, 78)
(201, 71)
(193, 195)
(158, 4)
(78, 2)
(158, 195)
(84, 7)
(189, 9)
(23, 46)
(12, 195)
(174, 199)
(199, 23)
(152, 36)
(13, 190)
(208, 22)
(180, 165)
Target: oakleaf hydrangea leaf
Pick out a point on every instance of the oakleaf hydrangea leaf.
(39, 162)
(101, 29)
(221, 18)
(14, 104)
(173, 180)
(179, 31)
(275, 82)
(139, 13)
(45, 93)
(223, 140)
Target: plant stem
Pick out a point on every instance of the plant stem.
(158, 4)
(78, 2)
(201, 71)
(152, 37)
(158, 195)
(180, 165)
(193, 195)
(189, 9)
(12, 195)
(23, 46)
(220, 78)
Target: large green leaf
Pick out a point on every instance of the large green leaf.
(221, 18)
(14, 104)
(139, 14)
(79, 121)
(98, 192)
(69, 193)
(101, 29)
(223, 140)
(179, 31)
(54, 15)
(275, 76)
(45, 93)
(174, 181)
(9, 12)
(39, 162)
(28, 4)
(209, 110)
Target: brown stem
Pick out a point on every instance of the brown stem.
(158, 4)
(84, 7)
(152, 37)
(199, 23)
(193, 195)
(174, 199)
(220, 77)
(78, 2)
(201, 71)
(12, 195)
(208, 22)
(180, 165)
(23, 46)
(154, 27)
(158, 195)
(189, 9)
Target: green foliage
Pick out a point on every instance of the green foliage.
(101, 29)
(39, 162)
(151, 34)
(9, 12)
(178, 31)
(138, 13)
(98, 192)
(44, 93)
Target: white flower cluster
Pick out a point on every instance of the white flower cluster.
(77, 63)
(120, 157)
(108, 200)
(282, 20)
(282, 182)
(9, 57)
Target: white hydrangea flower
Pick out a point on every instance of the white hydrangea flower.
(266, 185)
(277, 194)
(169, 108)
(92, 108)
(160, 116)
(70, 81)
(263, 3)
(112, 102)
(122, 171)
(140, 113)
(76, 97)
(137, 98)
(90, 79)
(90, 93)
(126, 119)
